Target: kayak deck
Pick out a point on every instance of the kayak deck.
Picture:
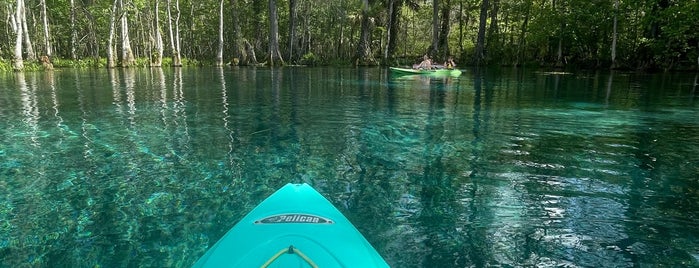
(294, 227)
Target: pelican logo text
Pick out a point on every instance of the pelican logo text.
(294, 218)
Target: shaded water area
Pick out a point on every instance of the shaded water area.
(149, 167)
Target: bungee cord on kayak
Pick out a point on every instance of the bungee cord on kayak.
(290, 250)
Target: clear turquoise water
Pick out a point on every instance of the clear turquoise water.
(148, 168)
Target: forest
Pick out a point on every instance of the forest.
(647, 35)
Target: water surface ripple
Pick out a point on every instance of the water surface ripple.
(515, 168)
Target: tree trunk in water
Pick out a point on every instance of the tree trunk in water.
(443, 45)
(258, 10)
(559, 53)
(177, 58)
(45, 21)
(111, 57)
(219, 52)
(479, 57)
(249, 53)
(18, 64)
(93, 44)
(521, 43)
(340, 41)
(177, 61)
(434, 47)
(461, 26)
(393, 12)
(171, 30)
(274, 56)
(395, 28)
(363, 56)
(493, 30)
(614, 34)
(157, 60)
(696, 81)
(292, 30)
(174, 33)
(127, 57)
(305, 42)
(193, 50)
(27, 39)
(73, 32)
(238, 48)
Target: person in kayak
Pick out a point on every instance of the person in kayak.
(426, 63)
(449, 64)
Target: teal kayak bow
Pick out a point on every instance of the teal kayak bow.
(294, 227)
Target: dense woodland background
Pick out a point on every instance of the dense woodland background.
(628, 34)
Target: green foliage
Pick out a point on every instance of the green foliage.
(310, 59)
(167, 61)
(142, 62)
(80, 64)
(678, 33)
(5, 65)
(195, 62)
(29, 66)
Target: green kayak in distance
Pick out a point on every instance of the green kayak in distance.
(432, 72)
(294, 227)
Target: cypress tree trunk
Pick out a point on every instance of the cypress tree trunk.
(45, 21)
(434, 48)
(111, 57)
(27, 39)
(177, 61)
(157, 60)
(219, 52)
(363, 56)
(393, 12)
(559, 53)
(521, 43)
(479, 57)
(73, 32)
(249, 53)
(443, 45)
(275, 57)
(258, 22)
(614, 34)
(93, 45)
(292, 30)
(127, 57)
(238, 48)
(493, 45)
(18, 64)
(461, 26)
(174, 33)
